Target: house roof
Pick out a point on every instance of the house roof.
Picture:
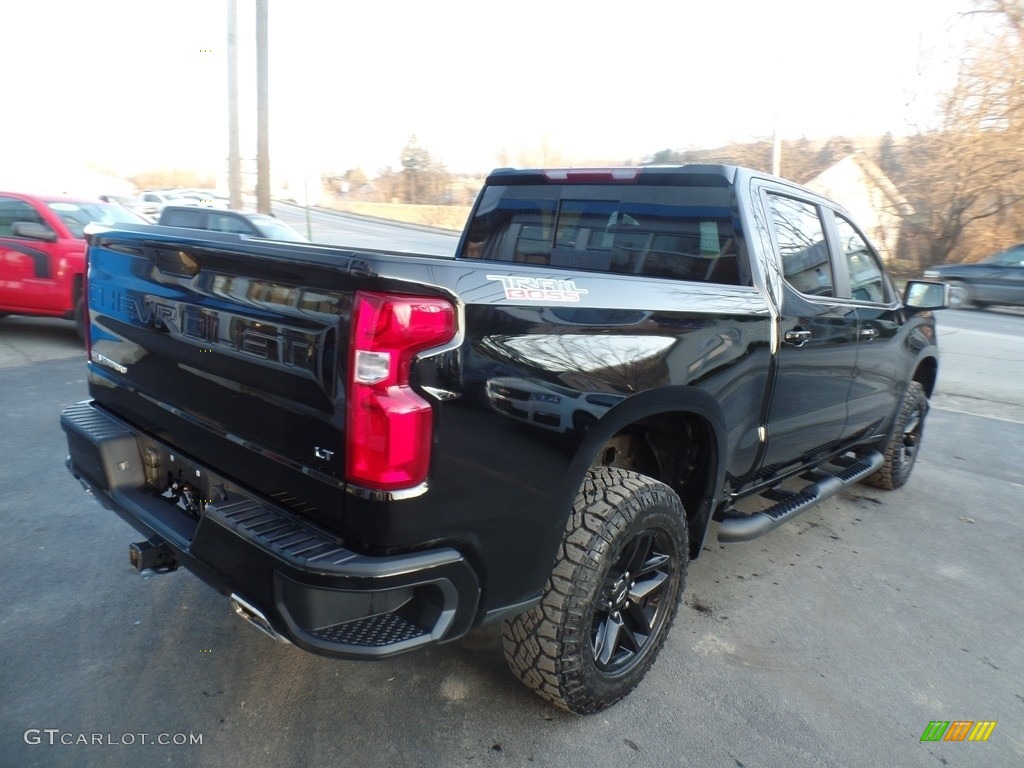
(856, 168)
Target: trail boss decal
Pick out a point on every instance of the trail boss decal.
(538, 288)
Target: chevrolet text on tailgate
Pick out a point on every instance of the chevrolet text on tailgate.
(373, 452)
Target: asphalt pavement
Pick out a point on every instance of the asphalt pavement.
(352, 231)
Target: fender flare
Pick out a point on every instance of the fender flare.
(664, 400)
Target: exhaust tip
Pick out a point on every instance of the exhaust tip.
(255, 617)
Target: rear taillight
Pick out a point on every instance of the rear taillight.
(389, 425)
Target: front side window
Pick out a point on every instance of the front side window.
(680, 233)
(13, 210)
(802, 245)
(1013, 257)
(867, 278)
(274, 229)
(226, 223)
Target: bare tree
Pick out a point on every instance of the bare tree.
(426, 180)
(970, 174)
(1009, 12)
(388, 184)
(802, 159)
(415, 166)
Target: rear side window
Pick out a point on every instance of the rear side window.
(683, 233)
(184, 218)
(223, 222)
(802, 246)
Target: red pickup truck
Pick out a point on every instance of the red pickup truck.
(42, 252)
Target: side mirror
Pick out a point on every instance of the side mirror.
(925, 295)
(33, 231)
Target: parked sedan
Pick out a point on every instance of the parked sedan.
(160, 198)
(997, 279)
(203, 198)
(148, 211)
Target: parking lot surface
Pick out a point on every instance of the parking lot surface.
(833, 641)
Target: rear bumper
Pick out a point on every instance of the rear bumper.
(309, 588)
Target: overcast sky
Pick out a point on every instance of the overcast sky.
(138, 84)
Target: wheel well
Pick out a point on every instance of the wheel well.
(926, 374)
(678, 449)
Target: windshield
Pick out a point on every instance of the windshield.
(76, 216)
(1011, 257)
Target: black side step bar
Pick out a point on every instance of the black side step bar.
(747, 527)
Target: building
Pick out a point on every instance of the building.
(861, 187)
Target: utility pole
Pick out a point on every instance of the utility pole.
(234, 153)
(262, 115)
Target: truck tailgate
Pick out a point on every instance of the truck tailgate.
(229, 351)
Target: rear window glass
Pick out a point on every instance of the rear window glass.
(184, 218)
(684, 233)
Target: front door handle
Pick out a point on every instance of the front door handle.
(797, 337)
(867, 334)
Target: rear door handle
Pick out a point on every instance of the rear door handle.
(797, 337)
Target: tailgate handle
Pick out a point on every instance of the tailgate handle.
(174, 261)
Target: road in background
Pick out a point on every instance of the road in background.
(336, 228)
(981, 370)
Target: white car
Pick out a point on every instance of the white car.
(203, 198)
(164, 197)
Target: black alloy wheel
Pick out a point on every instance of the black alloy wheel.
(630, 611)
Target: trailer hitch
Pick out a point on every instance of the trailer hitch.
(153, 555)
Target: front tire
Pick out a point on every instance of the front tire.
(611, 597)
(901, 450)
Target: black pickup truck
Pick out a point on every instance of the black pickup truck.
(372, 452)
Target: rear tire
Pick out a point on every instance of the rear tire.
(611, 597)
(901, 450)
